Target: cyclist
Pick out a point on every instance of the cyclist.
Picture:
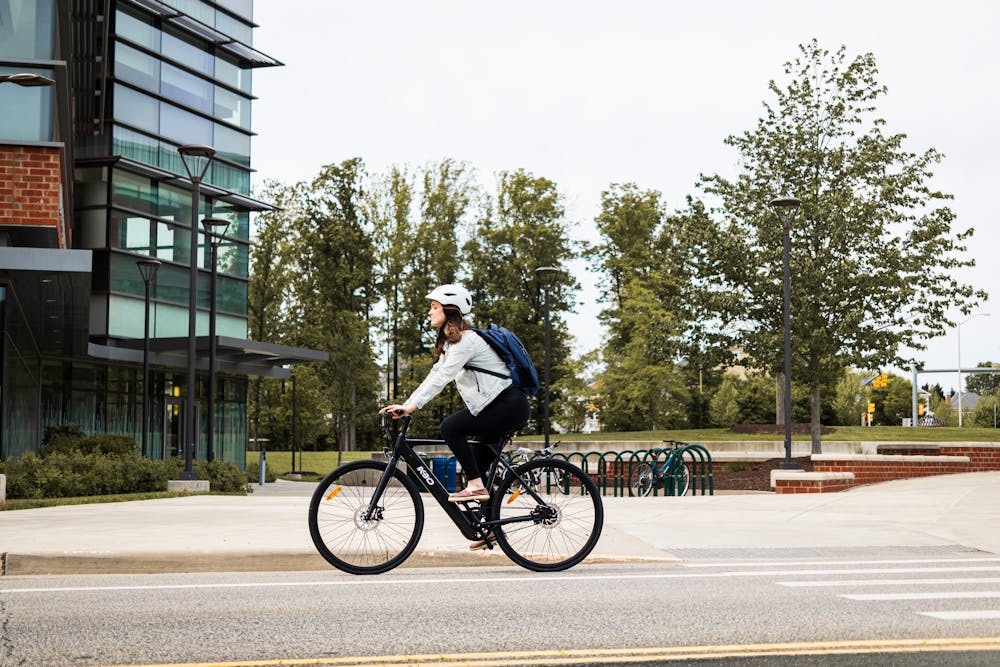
(492, 405)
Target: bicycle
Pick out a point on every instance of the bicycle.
(647, 474)
(366, 517)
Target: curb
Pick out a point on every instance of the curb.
(162, 563)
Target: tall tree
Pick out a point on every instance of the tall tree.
(389, 208)
(267, 306)
(523, 229)
(874, 256)
(334, 294)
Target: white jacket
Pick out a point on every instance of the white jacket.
(477, 389)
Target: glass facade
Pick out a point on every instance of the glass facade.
(143, 79)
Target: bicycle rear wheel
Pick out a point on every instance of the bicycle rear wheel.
(348, 539)
(558, 532)
(640, 480)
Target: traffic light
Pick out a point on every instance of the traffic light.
(880, 381)
(920, 409)
(871, 408)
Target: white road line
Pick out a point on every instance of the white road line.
(815, 563)
(501, 580)
(889, 582)
(978, 615)
(939, 595)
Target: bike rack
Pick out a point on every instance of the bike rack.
(614, 468)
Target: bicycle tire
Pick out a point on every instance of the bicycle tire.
(683, 485)
(560, 534)
(640, 480)
(341, 534)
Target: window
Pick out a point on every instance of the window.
(132, 191)
(232, 108)
(27, 29)
(130, 232)
(232, 75)
(187, 53)
(137, 30)
(232, 145)
(136, 109)
(33, 120)
(187, 89)
(184, 127)
(135, 145)
(137, 67)
(238, 30)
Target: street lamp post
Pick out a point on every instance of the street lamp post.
(196, 161)
(546, 273)
(958, 330)
(147, 269)
(785, 208)
(215, 228)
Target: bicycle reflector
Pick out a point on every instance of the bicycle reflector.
(334, 492)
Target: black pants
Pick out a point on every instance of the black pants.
(508, 412)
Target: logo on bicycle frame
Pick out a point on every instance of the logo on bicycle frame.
(428, 478)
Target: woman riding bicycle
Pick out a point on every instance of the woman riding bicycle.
(493, 406)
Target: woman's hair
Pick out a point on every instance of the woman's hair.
(451, 330)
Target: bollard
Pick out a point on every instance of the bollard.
(263, 466)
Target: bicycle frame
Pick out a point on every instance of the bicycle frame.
(467, 517)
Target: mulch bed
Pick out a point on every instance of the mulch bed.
(756, 477)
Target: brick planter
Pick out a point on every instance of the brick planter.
(791, 481)
(872, 468)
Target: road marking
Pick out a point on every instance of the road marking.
(503, 581)
(604, 656)
(940, 595)
(890, 582)
(814, 563)
(981, 615)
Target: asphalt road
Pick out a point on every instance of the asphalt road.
(863, 611)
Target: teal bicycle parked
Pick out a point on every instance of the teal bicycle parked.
(673, 476)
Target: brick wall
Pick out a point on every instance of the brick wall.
(869, 469)
(981, 458)
(29, 186)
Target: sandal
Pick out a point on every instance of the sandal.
(482, 544)
(469, 495)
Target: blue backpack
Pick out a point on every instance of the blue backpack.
(510, 348)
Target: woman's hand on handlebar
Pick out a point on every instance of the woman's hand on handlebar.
(397, 411)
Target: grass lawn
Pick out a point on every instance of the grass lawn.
(319, 463)
(33, 503)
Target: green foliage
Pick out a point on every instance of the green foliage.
(943, 412)
(60, 437)
(724, 409)
(525, 228)
(873, 254)
(104, 443)
(64, 474)
(894, 403)
(850, 398)
(253, 473)
(223, 476)
(986, 412)
(983, 384)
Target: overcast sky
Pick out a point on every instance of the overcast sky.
(589, 93)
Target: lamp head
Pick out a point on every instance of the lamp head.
(216, 226)
(196, 159)
(27, 79)
(147, 269)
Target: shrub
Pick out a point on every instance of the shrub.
(104, 443)
(68, 474)
(223, 476)
(62, 437)
(253, 473)
(75, 473)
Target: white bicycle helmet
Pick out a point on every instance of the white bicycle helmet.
(453, 295)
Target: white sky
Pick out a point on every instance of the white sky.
(588, 93)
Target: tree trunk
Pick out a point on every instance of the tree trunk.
(814, 423)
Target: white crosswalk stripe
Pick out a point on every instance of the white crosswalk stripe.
(976, 594)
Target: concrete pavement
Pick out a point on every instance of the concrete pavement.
(267, 530)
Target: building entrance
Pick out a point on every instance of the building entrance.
(173, 427)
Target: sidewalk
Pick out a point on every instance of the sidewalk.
(267, 530)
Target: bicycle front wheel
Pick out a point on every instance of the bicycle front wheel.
(355, 540)
(556, 530)
(640, 480)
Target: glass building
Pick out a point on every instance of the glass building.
(131, 82)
